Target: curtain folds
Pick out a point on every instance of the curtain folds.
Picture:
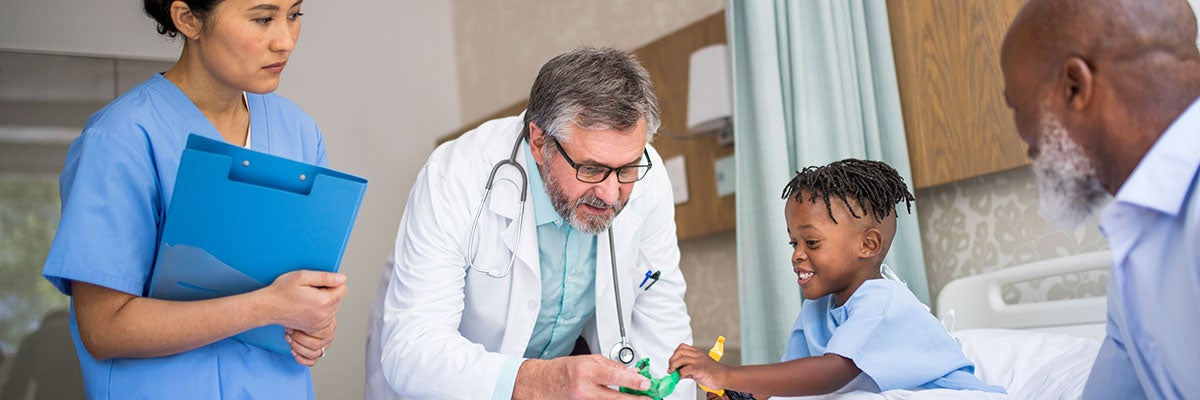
(814, 82)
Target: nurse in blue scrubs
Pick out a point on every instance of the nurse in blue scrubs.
(117, 183)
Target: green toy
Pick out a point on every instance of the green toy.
(659, 388)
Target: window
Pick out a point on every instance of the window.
(44, 102)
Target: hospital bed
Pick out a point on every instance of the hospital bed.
(1036, 351)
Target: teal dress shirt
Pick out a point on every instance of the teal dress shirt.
(568, 259)
(568, 263)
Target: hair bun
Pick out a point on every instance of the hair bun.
(160, 11)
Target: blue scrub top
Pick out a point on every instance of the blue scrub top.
(115, 186)
(889, 335)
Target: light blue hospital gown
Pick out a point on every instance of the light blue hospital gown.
(115, 187)
(889, 335)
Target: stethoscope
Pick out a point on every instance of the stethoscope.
(622, 351)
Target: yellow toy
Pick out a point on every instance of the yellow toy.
(716, 352)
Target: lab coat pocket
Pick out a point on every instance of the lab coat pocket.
(489, 287)
(489, 253)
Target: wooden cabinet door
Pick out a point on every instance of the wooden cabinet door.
(951, 88)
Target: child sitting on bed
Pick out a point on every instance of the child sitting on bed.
(840, 224)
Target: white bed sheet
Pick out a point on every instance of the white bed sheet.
(1031, 364)
(1046, 350)
(1028, 364)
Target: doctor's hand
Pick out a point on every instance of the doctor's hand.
(306, 301)
(695, 364)
(576, 377)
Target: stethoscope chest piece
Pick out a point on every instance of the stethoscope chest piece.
(622, 352)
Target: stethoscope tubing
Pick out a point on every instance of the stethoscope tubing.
(472, 241)
(487, 194)
(616, 284)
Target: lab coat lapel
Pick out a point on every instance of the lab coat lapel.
(523, 301)
(525, 277)
(506, 202)
(625, 228)
(624, 231)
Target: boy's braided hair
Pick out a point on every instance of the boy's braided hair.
(874, 185)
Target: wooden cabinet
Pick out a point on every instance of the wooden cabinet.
(951, 88)
(666, 60)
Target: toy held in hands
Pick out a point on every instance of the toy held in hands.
(659, 387)
(716, 352)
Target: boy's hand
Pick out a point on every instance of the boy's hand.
(695, 364)
(713, 396)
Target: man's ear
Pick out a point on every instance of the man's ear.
(872, 242)
(186, 22)
(537, 140)
(1079, 83)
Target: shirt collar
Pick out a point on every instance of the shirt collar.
(543, 209)
(1163, 177)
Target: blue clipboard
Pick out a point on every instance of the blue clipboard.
(239, 218)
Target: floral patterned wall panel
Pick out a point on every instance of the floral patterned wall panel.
(991, 222)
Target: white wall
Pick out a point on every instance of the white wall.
(100, 28)
(501, 45)
(379, 78)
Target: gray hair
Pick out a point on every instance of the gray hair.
(593, 88)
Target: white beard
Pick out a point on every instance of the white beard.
(586, 223)
(1068, 189)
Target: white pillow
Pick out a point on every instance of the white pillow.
(1030, 364)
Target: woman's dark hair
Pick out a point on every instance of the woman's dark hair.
(874, 185)
(160, 11)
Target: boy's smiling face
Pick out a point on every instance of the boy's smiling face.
(828, 257)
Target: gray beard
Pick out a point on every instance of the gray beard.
(1068, 189)
(586, 223)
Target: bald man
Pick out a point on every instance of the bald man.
(1104, 93)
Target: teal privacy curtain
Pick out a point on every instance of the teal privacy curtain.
(814, 82)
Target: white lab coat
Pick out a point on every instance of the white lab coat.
(447, 330)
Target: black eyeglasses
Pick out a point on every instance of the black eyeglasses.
(593, 173)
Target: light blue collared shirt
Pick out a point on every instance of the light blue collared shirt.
(1153, 227)
(568, 259)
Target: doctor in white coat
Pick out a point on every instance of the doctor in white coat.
(487, 299)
